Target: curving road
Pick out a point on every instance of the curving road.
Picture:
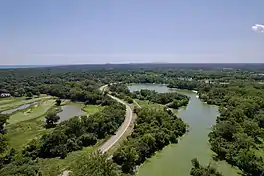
(122, 129)
(119, 133)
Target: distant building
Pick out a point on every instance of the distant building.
(5, 95)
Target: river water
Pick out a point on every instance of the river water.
(175, 159)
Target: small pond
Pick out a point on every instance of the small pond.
(69, 111)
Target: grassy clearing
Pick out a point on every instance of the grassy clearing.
(32, 112)
(20, 134)
(21, 101)
(91, 109)
(148, 104)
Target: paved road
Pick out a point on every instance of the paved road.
(102, 88)
(122, 129)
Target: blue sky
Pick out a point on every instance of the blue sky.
(128, 31)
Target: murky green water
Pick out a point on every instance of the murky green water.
(175, 160)
(69, 111)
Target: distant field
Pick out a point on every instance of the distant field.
(10, 100)
(24, 125)
(7, 104)
(32, 112)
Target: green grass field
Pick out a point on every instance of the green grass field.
(91, 109)
(20, 134)
(16, 102)
(10, 100)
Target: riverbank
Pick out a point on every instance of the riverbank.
(176, 158)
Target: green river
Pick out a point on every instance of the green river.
(175, 159)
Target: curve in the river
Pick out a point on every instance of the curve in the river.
(176, 159)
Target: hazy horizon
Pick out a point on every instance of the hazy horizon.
(115, 31)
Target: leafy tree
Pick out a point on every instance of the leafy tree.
(3, 121)
(58, 102)
(3, 139)
(128, 99)
(198, 170)
(22, 166)
(95, 164)
(51, 120)
(29, 94)
(88, 139)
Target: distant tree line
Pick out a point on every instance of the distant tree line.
(70, 82)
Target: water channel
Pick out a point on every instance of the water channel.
(176, 159)
(25, 106)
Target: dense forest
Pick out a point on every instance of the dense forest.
(73, 79)
(237, 136)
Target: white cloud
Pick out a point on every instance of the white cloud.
(258, 28)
